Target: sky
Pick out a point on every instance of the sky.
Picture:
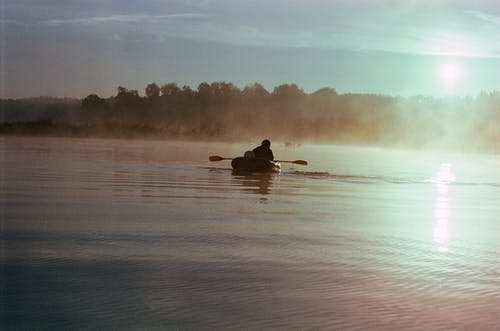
(72, 48)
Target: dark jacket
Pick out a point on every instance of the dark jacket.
(265, 153)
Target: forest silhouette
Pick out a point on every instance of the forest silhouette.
(222, 111)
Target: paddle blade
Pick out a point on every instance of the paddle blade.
(215, 158)
(302, 162)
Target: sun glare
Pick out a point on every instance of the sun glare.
(443, 178)
(449, 74)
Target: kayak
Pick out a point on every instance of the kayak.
(255, 164)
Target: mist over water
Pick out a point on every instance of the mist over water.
(112, 216)
(149, 234)
(221, 111)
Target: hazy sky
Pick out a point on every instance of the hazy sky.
(78, 47)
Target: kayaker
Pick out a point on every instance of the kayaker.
(264, 150)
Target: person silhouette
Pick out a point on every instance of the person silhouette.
(264, 151)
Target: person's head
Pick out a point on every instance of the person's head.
(266, 143)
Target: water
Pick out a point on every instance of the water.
(128, 234)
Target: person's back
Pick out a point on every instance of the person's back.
(264, 151)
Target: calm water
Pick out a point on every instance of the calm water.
(117, 234)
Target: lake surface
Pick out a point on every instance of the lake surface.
(130, 234)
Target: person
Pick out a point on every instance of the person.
(249, 155)
(264, 150)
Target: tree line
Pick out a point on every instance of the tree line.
(222, 111)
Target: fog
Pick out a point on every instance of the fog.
(222, 111)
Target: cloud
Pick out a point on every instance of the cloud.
(423, 27)
(136, 18)
(484, 17)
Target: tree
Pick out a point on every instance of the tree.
(224, 93)
(152, 91)
(255, 93)
(204, 94)
(129, 105)
(92, 101)
(170, 89)
(288, 91)
(94, 108)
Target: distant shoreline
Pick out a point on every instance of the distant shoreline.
(220, 111)
(46, 128)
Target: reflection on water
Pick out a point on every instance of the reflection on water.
(256, 183)
(442, 180)
(103, 234)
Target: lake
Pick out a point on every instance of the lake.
(148, 234)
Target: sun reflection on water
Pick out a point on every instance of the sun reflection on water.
(442, 179)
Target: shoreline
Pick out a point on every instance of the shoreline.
(48, 128)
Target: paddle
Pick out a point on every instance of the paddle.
(301, 162)
(215, 158)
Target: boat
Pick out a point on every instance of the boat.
(255, 164)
